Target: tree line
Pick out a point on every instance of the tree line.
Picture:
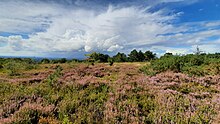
(133, 56)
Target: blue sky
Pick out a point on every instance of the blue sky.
(72, 28)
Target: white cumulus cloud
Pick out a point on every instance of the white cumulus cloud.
(52, 27)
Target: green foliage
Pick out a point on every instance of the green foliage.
(168, 63)
(134, 56)
(111, 62)
(149, 56)
(45, 61)
(120, 57)
(199, 65)
(55, 61)
(98, 57)
(167, 55)
(194, 60)
(52, 79)
(194, 70)
(147, 69)
(13, 67)
(28, 61)
(6, 91)
(66, 120)
(141, 56)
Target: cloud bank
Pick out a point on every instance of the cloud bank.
(44, 28)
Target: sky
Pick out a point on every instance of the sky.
(73, 28)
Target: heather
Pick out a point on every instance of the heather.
(171, 89)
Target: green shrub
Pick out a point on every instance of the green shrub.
(45, 61)
(52, 79)
(111, 62)
(189, 64)
(194, 70)
(196, 60)
(174, 63)
(148, 70)
(66, 120)
(13, 68)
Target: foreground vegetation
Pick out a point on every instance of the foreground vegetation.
(171, 89)
(193, 65)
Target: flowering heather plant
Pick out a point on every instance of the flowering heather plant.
(109, 94)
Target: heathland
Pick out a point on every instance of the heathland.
(102, 89)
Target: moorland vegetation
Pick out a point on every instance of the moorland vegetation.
(133, 88)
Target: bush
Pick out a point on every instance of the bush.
(174, 63)
(13, 68)
(111, 62)
(198, 65)
(148, 70)
(45, 61)
(196, 60)
(52, 79)
(194, 70)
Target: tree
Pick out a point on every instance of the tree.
(45, 61)
(134, 56)
(167, 55)
(62, 60)
(98, 57)
(141, 56)
(149, 55)
(28, 60)
(120, 57)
